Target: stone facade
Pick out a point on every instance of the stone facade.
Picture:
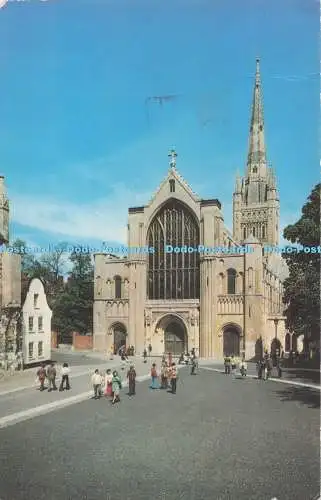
(227, 299)
(10, 288)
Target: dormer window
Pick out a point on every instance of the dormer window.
(172, 186)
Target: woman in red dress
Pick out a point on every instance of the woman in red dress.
(108, 383)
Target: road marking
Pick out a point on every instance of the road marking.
(21, 416)
(280, 380)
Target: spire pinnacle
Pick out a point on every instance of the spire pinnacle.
(257, 152)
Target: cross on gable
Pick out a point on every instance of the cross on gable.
(172, 155)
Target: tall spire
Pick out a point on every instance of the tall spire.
(257, 153)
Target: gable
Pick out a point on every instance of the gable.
(173, 186)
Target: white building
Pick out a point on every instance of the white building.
(36, 327)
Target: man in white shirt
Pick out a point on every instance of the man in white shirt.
(65, 371)
(96, 380)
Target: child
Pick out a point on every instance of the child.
(153, 374)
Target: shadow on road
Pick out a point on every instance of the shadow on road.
(307, 397)
(304, 376)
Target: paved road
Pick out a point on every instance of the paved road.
(217, 439)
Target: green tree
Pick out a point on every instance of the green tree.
(302, 287)
(73, 310)
(29, 264)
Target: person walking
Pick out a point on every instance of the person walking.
(41, 375)
(227, 365)
(233, 366)
(65, 372)
(153, 374)
(150, 349)
(96, 380)
(173, 377)
(131, 376)
(145, 355)
(51, 376)
(194, 366)
(164, 376)
(243, 367)
(108, 383)
(116, 386)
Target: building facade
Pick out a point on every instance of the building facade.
(10, 289)
(36, 324)
(187, 281)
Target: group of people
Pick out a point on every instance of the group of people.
(50, 374)
(108, 385)
(230, 365)
(168, 377)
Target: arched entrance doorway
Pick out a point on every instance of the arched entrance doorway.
(276, 348)
(231, 340)
(175, 334)
(120, 335)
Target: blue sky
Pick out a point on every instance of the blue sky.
(81, 141)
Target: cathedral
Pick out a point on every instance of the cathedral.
(198, 285)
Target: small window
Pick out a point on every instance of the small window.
(254, 170)
(244, 232)
(172, 186)
(253, 231)
(40, 349)
(35, 300)
(231, 281)
(30, 324)
(30, 350)
(117, 281)
(263, 231)
(40, 324)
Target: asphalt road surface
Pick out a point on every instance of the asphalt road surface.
(218, 438)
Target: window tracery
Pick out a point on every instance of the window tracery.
(173, 275)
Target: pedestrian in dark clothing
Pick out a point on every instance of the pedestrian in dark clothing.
(51, 376)
(150, 349)
(194, 365)
(145, 355)
(41, 374)
(173, 377)
(131, 375)
(65, 371)
(227, 365)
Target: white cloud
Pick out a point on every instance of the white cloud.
(104, 219)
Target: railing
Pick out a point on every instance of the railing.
(230, 304)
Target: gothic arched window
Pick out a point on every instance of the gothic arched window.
(244, 233)
(254, 170)
(173, 275)
(253, 231)
(263, 231)
(231, 281)
(117, 280)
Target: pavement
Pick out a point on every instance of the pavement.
(218, 438)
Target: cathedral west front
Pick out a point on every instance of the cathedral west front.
(198, 285)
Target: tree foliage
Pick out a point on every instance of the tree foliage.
(74, 307)
(302, 287)
(71, 301)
